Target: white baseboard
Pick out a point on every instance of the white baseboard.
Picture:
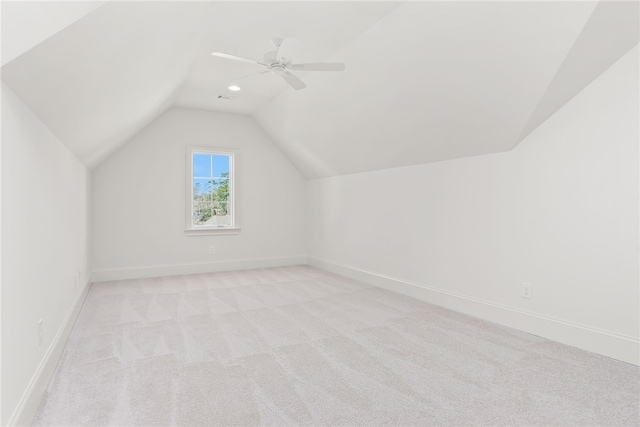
(30, 400)
(125, 273)
(606, 343)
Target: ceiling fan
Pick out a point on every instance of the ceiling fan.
(278, 62)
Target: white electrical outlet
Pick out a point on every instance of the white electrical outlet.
(526, 290)
(40, 332)
(212, 250)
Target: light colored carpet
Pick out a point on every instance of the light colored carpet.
(299, 346)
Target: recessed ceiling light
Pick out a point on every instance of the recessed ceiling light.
(234, 88)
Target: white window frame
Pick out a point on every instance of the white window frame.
(194, 230)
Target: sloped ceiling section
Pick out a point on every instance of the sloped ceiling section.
(425, 80)
(103, 78)
(245, 29)
(612, 31)
(27, 23)
(440, 80)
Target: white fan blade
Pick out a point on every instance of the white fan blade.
(324, 66)
(293, 81)
(286, 50)
(236, 58)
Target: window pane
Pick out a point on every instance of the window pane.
(221, 166)
(220, 208)
(202, 214)
(221, 213)
(201, 187)
(202, 165)
(220, 189)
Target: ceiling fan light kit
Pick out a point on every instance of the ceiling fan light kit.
(279, 61)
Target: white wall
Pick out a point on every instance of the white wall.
(138, 210)
(559, 211)
(44, 244)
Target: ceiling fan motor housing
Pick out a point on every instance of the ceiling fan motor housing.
(271, 58)
(277, 68)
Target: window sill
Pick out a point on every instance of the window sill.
(212, 231)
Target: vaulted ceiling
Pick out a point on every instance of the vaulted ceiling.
(424, 81)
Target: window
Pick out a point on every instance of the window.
(210, 197)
